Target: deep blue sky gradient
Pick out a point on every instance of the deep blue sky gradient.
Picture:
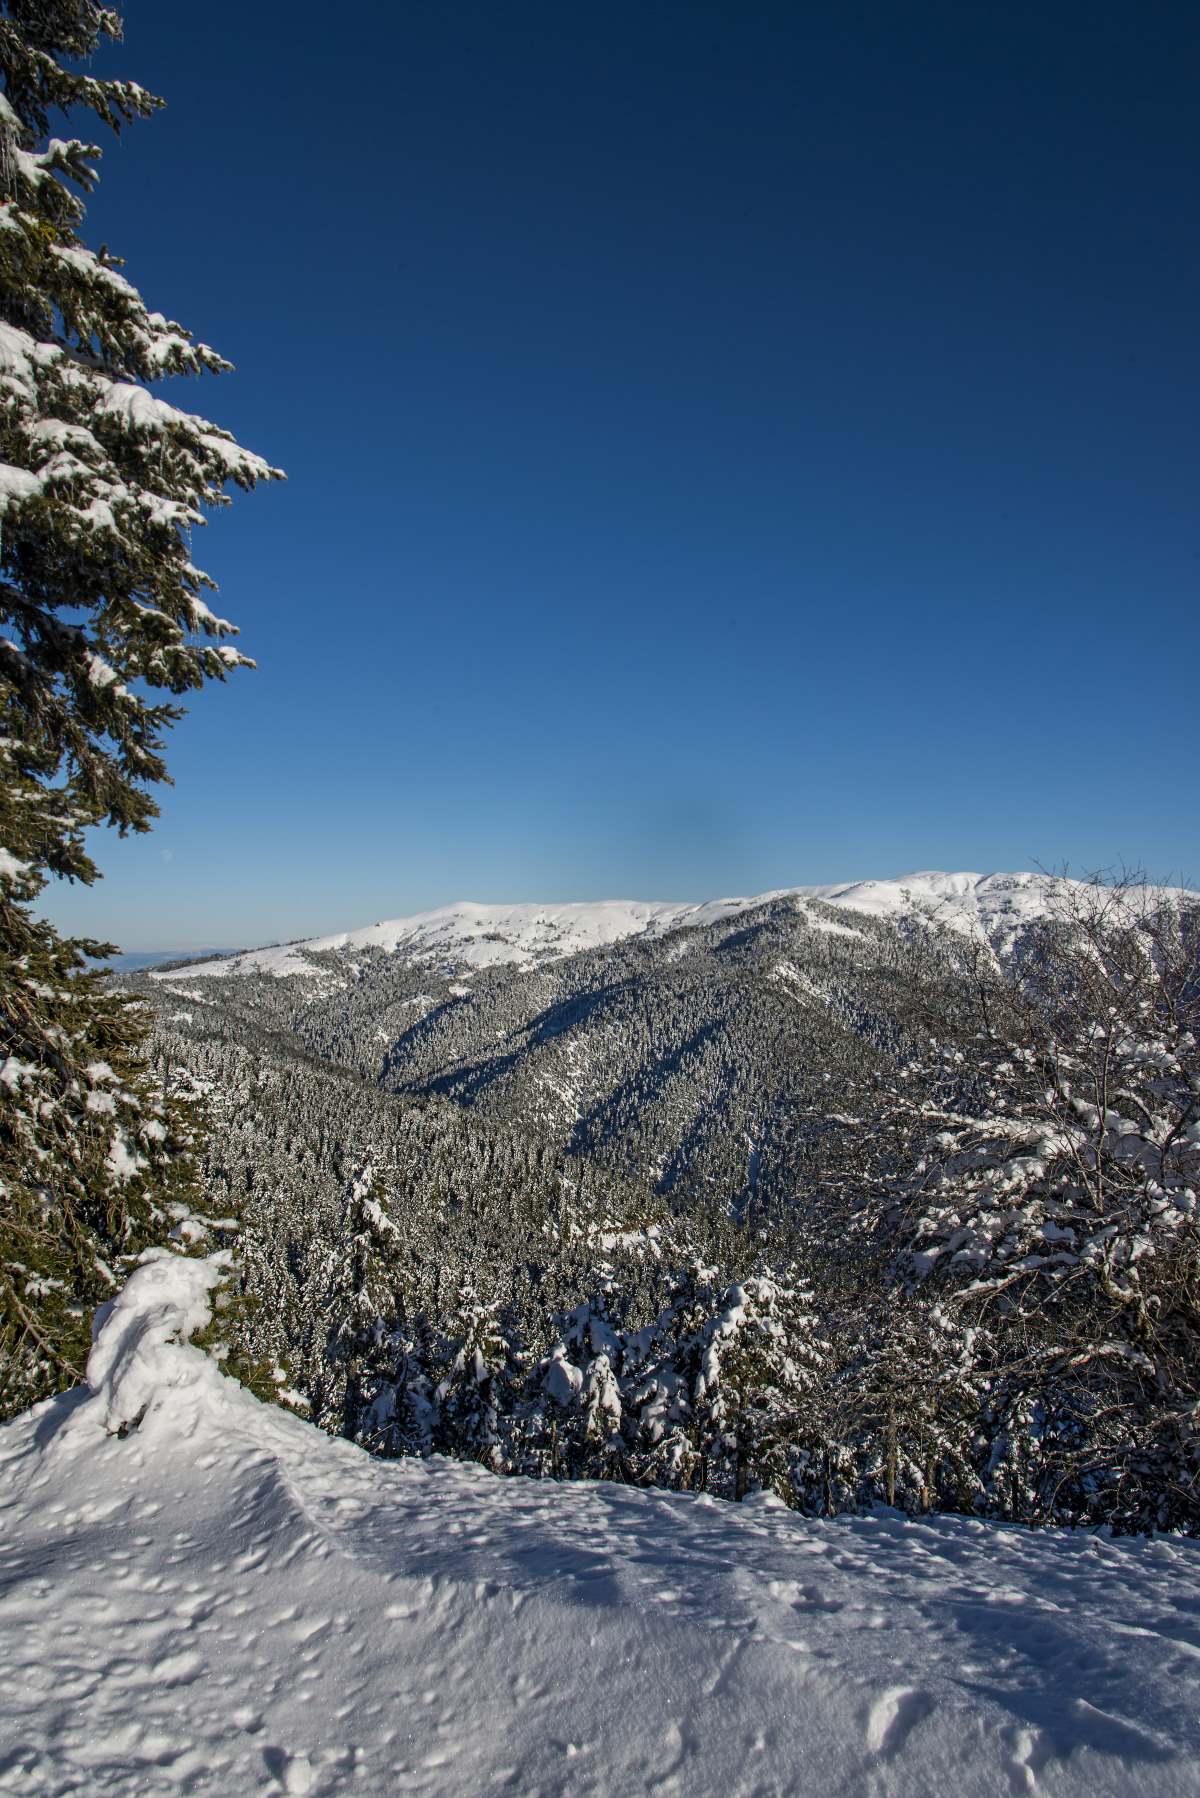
(729, 446)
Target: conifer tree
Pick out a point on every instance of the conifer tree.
(103, 626)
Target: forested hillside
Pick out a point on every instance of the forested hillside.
(682, 1062)
(848, 1207)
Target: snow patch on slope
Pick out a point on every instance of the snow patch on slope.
(469, 935)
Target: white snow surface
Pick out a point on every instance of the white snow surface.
(470, 935)
(224, 1601)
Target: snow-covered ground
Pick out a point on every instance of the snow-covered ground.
(223, 1601)
(468, 935)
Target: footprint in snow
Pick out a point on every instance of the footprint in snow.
(893, 1715)
(293, 1771)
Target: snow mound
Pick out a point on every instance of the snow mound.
(222, 1601)
(993, 907)
(134, 1368)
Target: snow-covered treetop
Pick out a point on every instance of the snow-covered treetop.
(1060, 1141)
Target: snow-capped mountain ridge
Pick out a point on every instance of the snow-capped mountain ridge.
(470, 934)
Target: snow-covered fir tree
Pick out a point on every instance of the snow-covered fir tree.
(103, 625)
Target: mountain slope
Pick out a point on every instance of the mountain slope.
(691, 1049)
(677, 1060)
(220, 1601)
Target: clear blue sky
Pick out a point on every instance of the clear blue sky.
(730, 446)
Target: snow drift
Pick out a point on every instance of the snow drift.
(199, 1593)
